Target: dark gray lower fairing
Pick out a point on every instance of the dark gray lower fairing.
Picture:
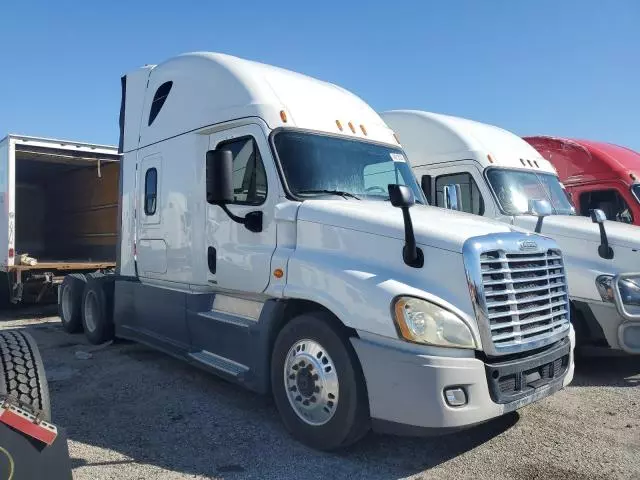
(182, 324)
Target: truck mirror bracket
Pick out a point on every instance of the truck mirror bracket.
(401, 197)
(604, 250)
(252, 221)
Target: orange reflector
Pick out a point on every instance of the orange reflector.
(278, 273)
(283, 116)
(364, 130)
(339, 124)
(12, 253)
(353, 130)
(397, 139)
(633, 176)
(490, 158)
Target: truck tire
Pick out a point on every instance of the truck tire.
(317, 383)
(97, 311)
(69, 305)
(22, 373)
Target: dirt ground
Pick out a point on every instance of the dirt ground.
(133, 413)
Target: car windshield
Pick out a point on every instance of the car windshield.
(635, 189)
(321, 165)
(515, 188)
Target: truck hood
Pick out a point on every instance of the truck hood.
(582, 228)
(434, 227)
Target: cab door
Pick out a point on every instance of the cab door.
(239, 259)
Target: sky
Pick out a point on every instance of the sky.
(569, 68)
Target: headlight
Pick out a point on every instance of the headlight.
(629, 289)
(604, 284)
(423, 322)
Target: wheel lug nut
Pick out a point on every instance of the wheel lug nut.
(293, 388)
(298, 398)
(292, 377)
(302, 364)
(306, 403)
(315, 376)
(313, 399)
(316, 389)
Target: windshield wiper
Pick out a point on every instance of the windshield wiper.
(333, 192)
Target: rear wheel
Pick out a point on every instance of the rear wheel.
(317, 383)
(69, 304)
(22, 373)
(97, 317)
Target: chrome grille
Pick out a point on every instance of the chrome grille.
(525, 296)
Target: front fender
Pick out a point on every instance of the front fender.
(357, 275)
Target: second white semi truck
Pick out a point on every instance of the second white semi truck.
(272, 232)
(497, 174)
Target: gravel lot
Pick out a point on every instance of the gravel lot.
(132, 413)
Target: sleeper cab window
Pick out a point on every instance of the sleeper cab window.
(158, 100)
(249, 178)
(150, 191)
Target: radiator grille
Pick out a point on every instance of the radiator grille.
(525, 295)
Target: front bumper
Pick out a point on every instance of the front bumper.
(620, 334)
(406, 387)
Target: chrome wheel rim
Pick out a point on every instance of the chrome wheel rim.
(311, 382)
(66, 303)
(90, 311)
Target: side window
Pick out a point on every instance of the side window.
(150, 191)
(471, 202)
(378, 176)
(249, 177)
(158, 100)
(609, 201)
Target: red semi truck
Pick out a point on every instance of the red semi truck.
(596, 175)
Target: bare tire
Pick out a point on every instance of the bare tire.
(69, 303)
(22, 373)
(317, 383)
(97, 311)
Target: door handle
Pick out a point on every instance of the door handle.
(211, 259)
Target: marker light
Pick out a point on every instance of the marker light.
(490, 158)
(339, 125)
(364, 130)
(283, 116)
(633, 176)
(353, 130)
(396, 137)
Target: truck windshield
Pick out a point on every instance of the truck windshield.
(321, 165)
(514, 188)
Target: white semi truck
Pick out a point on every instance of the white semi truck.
(58, 214)
(497, 174)
(272, 232)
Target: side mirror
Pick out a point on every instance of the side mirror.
(541, 209)
(452, 196)
(402, 197)
(425, 183)
(604, 250)
(598, 216)
(220, 188)
(219, 177)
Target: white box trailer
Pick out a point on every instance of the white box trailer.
(60, 208)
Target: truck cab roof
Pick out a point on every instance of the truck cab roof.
(197, 90)
(430, 138)
(579, 161)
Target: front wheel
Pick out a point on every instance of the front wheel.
(317, 383)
